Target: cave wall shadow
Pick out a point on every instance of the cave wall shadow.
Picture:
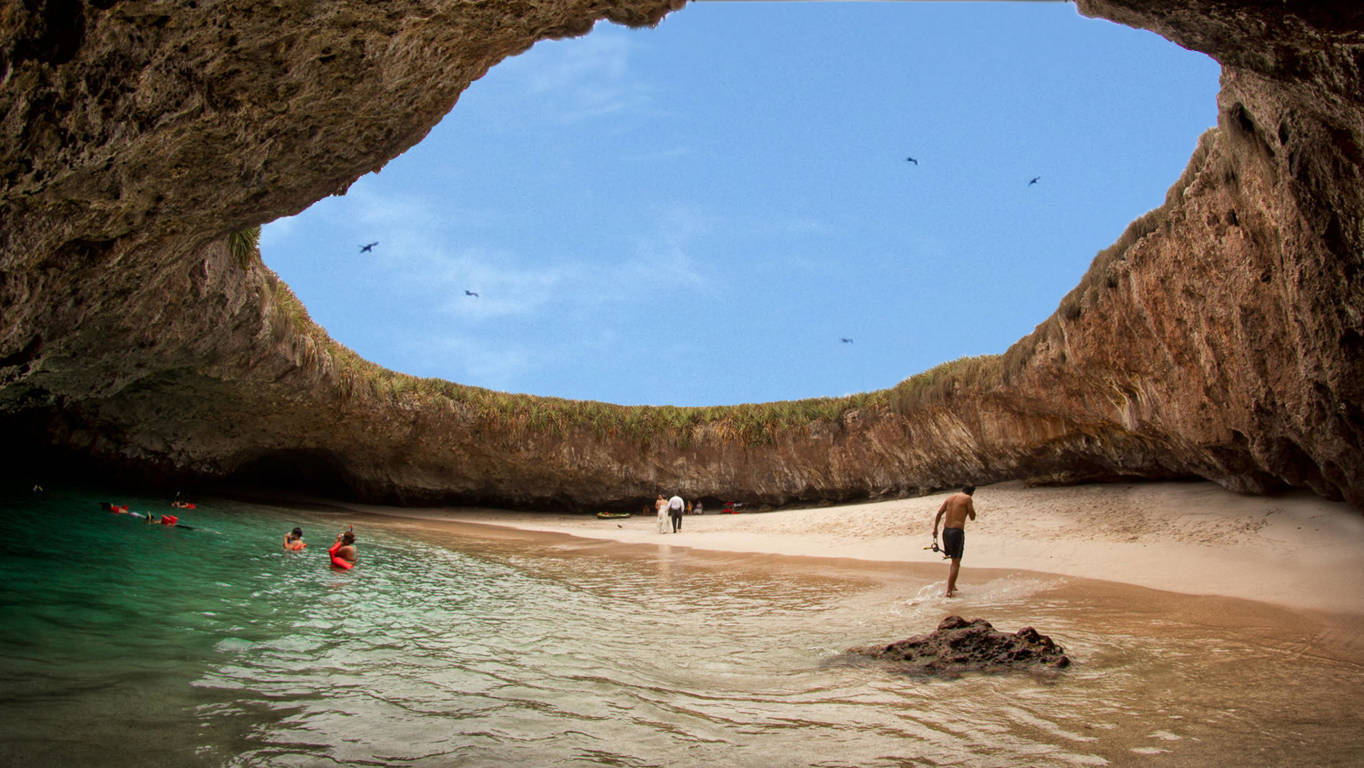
(290, 473)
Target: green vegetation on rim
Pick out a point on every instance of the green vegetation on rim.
(245, 246)
(1107, 272)
(523, 416)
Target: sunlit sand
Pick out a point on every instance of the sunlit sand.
(1194, 538)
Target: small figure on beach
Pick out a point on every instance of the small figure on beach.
(661, 509)
(957, 508)
(675, 509)
(698, 508)
(293, 540)
(342, 553)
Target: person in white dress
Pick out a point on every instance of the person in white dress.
(661, 507)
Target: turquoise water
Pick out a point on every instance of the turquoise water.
(127, 644)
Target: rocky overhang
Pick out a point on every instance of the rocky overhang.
(1221, 336)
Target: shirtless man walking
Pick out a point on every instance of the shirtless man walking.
(958, 507)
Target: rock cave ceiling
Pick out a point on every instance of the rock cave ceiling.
(1221, 336)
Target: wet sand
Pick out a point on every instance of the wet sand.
(1180, 657)
(1193, 538)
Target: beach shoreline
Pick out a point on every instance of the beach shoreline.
(1193, 538)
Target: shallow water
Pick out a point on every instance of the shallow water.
(124, 644)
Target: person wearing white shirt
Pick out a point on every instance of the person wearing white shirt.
(675, 507)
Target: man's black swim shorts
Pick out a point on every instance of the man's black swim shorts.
(953, 542)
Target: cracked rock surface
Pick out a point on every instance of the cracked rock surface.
(958, 645)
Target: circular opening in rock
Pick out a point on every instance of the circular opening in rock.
(754, 202)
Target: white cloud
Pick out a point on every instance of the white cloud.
(580, 79)
(663, 258)
(278, 231)
(470, 358)
(421, 262)
(513, 330)
(521, 325)
(506, 286)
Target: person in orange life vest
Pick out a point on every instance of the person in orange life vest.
(342, 553)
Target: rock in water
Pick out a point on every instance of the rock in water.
(959, 645)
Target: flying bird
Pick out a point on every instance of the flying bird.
(468, 292)
(366, 248)
(846, 341)
(1033, 180)
(911, 160)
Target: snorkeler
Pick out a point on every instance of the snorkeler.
(342, 552)
(293, 540)
(170, 521)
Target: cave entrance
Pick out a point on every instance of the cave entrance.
(754, 201)
(293, 471)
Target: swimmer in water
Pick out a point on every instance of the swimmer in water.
(293, 540)
(342, 552)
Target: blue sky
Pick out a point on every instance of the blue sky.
(697, 214)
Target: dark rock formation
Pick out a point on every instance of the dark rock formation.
(1222, 336)
(958, 645)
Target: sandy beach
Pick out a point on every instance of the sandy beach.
(1194, 538)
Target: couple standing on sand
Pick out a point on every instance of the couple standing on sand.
(957, 508)
(669, 510)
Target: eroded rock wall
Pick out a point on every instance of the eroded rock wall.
(1243, 303)
(1220, 337)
